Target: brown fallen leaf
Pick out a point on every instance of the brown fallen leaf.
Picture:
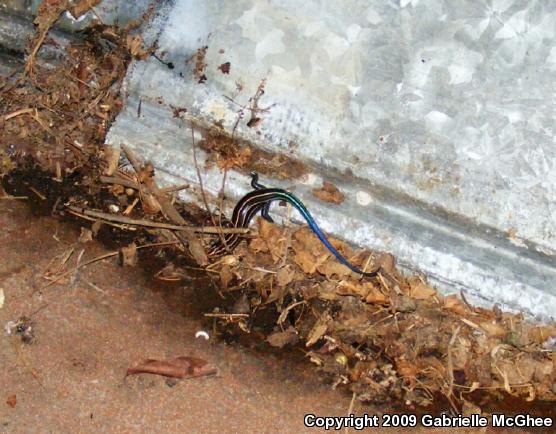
(284, 276)
(180, 367)
(129, 255)
(283, 338)
(196, 249)
(318, 330)
(329, 193)
(305, 239)
(82, 7)
(540, 334)
(85, 235)
(226, 276)
(375, 296)
(112, 158)
(456, 305)
(135, 47)
(347, 287)
(493, 329)
(306, 261)
(273, 237)
(333, 267)
(420, 290)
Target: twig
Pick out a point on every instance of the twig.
(131, 158)
(174, 188)
(148, 186)
(18, 112)
(450, 366)
(38, 193)
(9, 197)
(350, 409)
(149, 223)
(101, 257)
(199, 177)
(226, 315)
(121, 181)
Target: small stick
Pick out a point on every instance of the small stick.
(121, 181)
(350, 409)
(227, 315)
(199, 177)
(9, 197)
(105, 256)
(19, 112)
(450, 366)
(174, 188)
(38, 193)
(143, 222)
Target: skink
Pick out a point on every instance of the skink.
(259, 200)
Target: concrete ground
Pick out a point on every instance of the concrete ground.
(71, 377)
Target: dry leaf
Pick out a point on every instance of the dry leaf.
(150, 203)
(180, 367)
(420, 290)
(455, 304)
(318, 331)
(346, 287)
(135, 47)
(375, 296)
(82, 7)
(387, 263)
(283, 338)
(273, 238)
(2, 298)
(49, 11)
(540, 334)
(129, 255)
(329, 193)
(306, 261)
(258, 245)
(85, 235)
(226, 276)
(171, 274)
(493, 329)
(333, 267)
(95, 227)
(284, 276)
(406, 369)
(112, 159)
(196, 249)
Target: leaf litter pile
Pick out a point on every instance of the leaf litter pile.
(389, 338)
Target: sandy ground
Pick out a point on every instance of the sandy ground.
(89, 330)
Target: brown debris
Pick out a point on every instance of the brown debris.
(329, 193)
(129, 255)
(180, 367)
(227, 152)
(225, 68)
(394, 336)
(282, 338)
(200, 64)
